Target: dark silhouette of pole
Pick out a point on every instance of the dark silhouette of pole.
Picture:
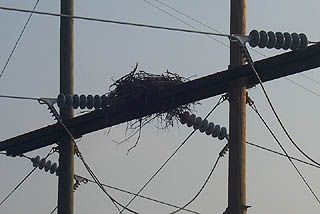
(237, 117)
(66, 148)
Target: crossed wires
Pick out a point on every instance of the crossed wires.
(250, 61)
(251, 64)
(25, 178)
(78, 153)
(222, 43)
(221, 154)
(18, 40)
(221, 100)
(253, 106)
(110, 187)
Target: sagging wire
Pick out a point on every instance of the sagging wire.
(19, 38)
(221, 100)
(253, 106)
(24, 179)
(242, 42)
(281, 154)
(141, 196)
(55, 114)
(221, 154)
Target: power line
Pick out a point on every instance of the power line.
(19, 184)
(18, 40)
(221, 100)
(282, 148)
(18, 97)
(142, 196)
(78, 153)
(115, 22)
(221, 154)
(249, 59)
(301, 86)
(23, 180)
(310, 78)
(224, 44)
(184, 22)
(281, 154)
(54, 210)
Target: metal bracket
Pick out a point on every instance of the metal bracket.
(245, 207)
(48, 101)
(80, 179)
(239, 38)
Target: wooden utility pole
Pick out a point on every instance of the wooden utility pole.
(66, 147)
(237, 118)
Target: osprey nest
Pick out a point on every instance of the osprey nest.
(140, 86)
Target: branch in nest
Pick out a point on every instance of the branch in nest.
(140, 86)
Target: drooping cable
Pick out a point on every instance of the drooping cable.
(283, 149)
(251, 64)
(22, 181)
(79, 154)
(221, 100)
(221, 154)
(281, 154)
(115, 22)
(19, 38)
(144, 197)
(19, 184)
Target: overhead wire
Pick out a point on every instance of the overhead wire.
(91, 173)
(23, 180)
(281, 154)
(19, 38)
(221, 100)
(221, 154)
(18, 97)
(224, 44)
(54, 210)
(251, 64)
(143, 197)
(252, 105)
(184, 22)
(115, 22)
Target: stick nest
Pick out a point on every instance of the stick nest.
(140, 85)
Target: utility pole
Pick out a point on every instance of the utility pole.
(237, 117)
(66, 147)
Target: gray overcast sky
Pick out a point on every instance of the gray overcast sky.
(106, 51)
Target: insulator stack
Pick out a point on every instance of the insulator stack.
(46, 165)
(203, 125)
(78, 181)
(82, 101)
(278, 40)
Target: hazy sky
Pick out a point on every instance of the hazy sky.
(104, 52)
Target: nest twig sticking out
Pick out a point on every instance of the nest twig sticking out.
(138, 83)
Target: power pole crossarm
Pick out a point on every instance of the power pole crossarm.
(202, 88)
